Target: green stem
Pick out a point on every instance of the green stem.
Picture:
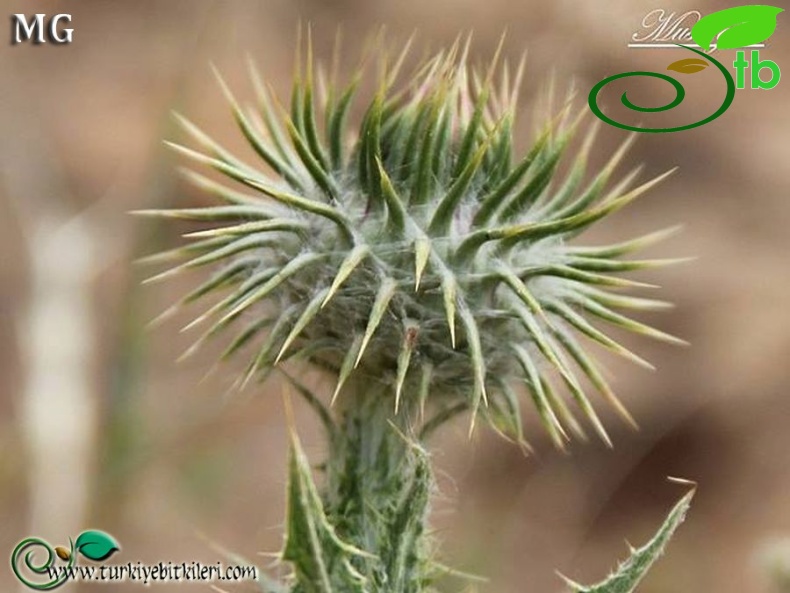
(377, 490)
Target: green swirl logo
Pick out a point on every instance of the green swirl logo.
(680, 94)
(47, 573)
(730, 28)
(23, 556)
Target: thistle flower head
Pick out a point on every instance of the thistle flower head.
(415, 250)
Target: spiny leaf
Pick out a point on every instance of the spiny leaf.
(423, 177)
(587, 365)
(223, 157)
(337, 120)
(347, 366)
(476, 355)
(535, 186)
(308, 109)
(184, 251)
(288, 270)
(531, 231)
(598, 184)
(564, 413)
(449, 295)
(582, 325)
(383, 297)
(310, 311)
(422, 249)
(306, 205)
(353, 259)
(249, 228)
(581, 400)
(626, 247)
(520, 290)
(245, 336)
(267, 110)
(264, 358)
(211, 214)
(631, 572)
(233, 168)
(443, 214)
(370, 152)
(395, 207)
(545, 411)
(555, 357)
(470, 136)
(621, 320)
(311, 543)
(540, 338)
(411, 334)
(321, 176)
(568, 273)
(232, 196)
(573, 179)
(514, 415)
(244, 289)
(441, 151)
(227, 250)
(218, 280)
(609, 299)
(258, 143)
(594, 264)
(490, 202)
(410, 155)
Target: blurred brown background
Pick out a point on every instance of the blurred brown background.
(100, 427)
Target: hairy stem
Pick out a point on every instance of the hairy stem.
(377, 490)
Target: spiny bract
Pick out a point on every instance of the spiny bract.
(416, 252)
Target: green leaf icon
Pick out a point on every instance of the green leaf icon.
(736, 27)
(96, 545)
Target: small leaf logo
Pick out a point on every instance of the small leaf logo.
(96, 545)
(688, 65)
(63, 553)
(736, 27)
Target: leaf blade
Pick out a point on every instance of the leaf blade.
(631, 572)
